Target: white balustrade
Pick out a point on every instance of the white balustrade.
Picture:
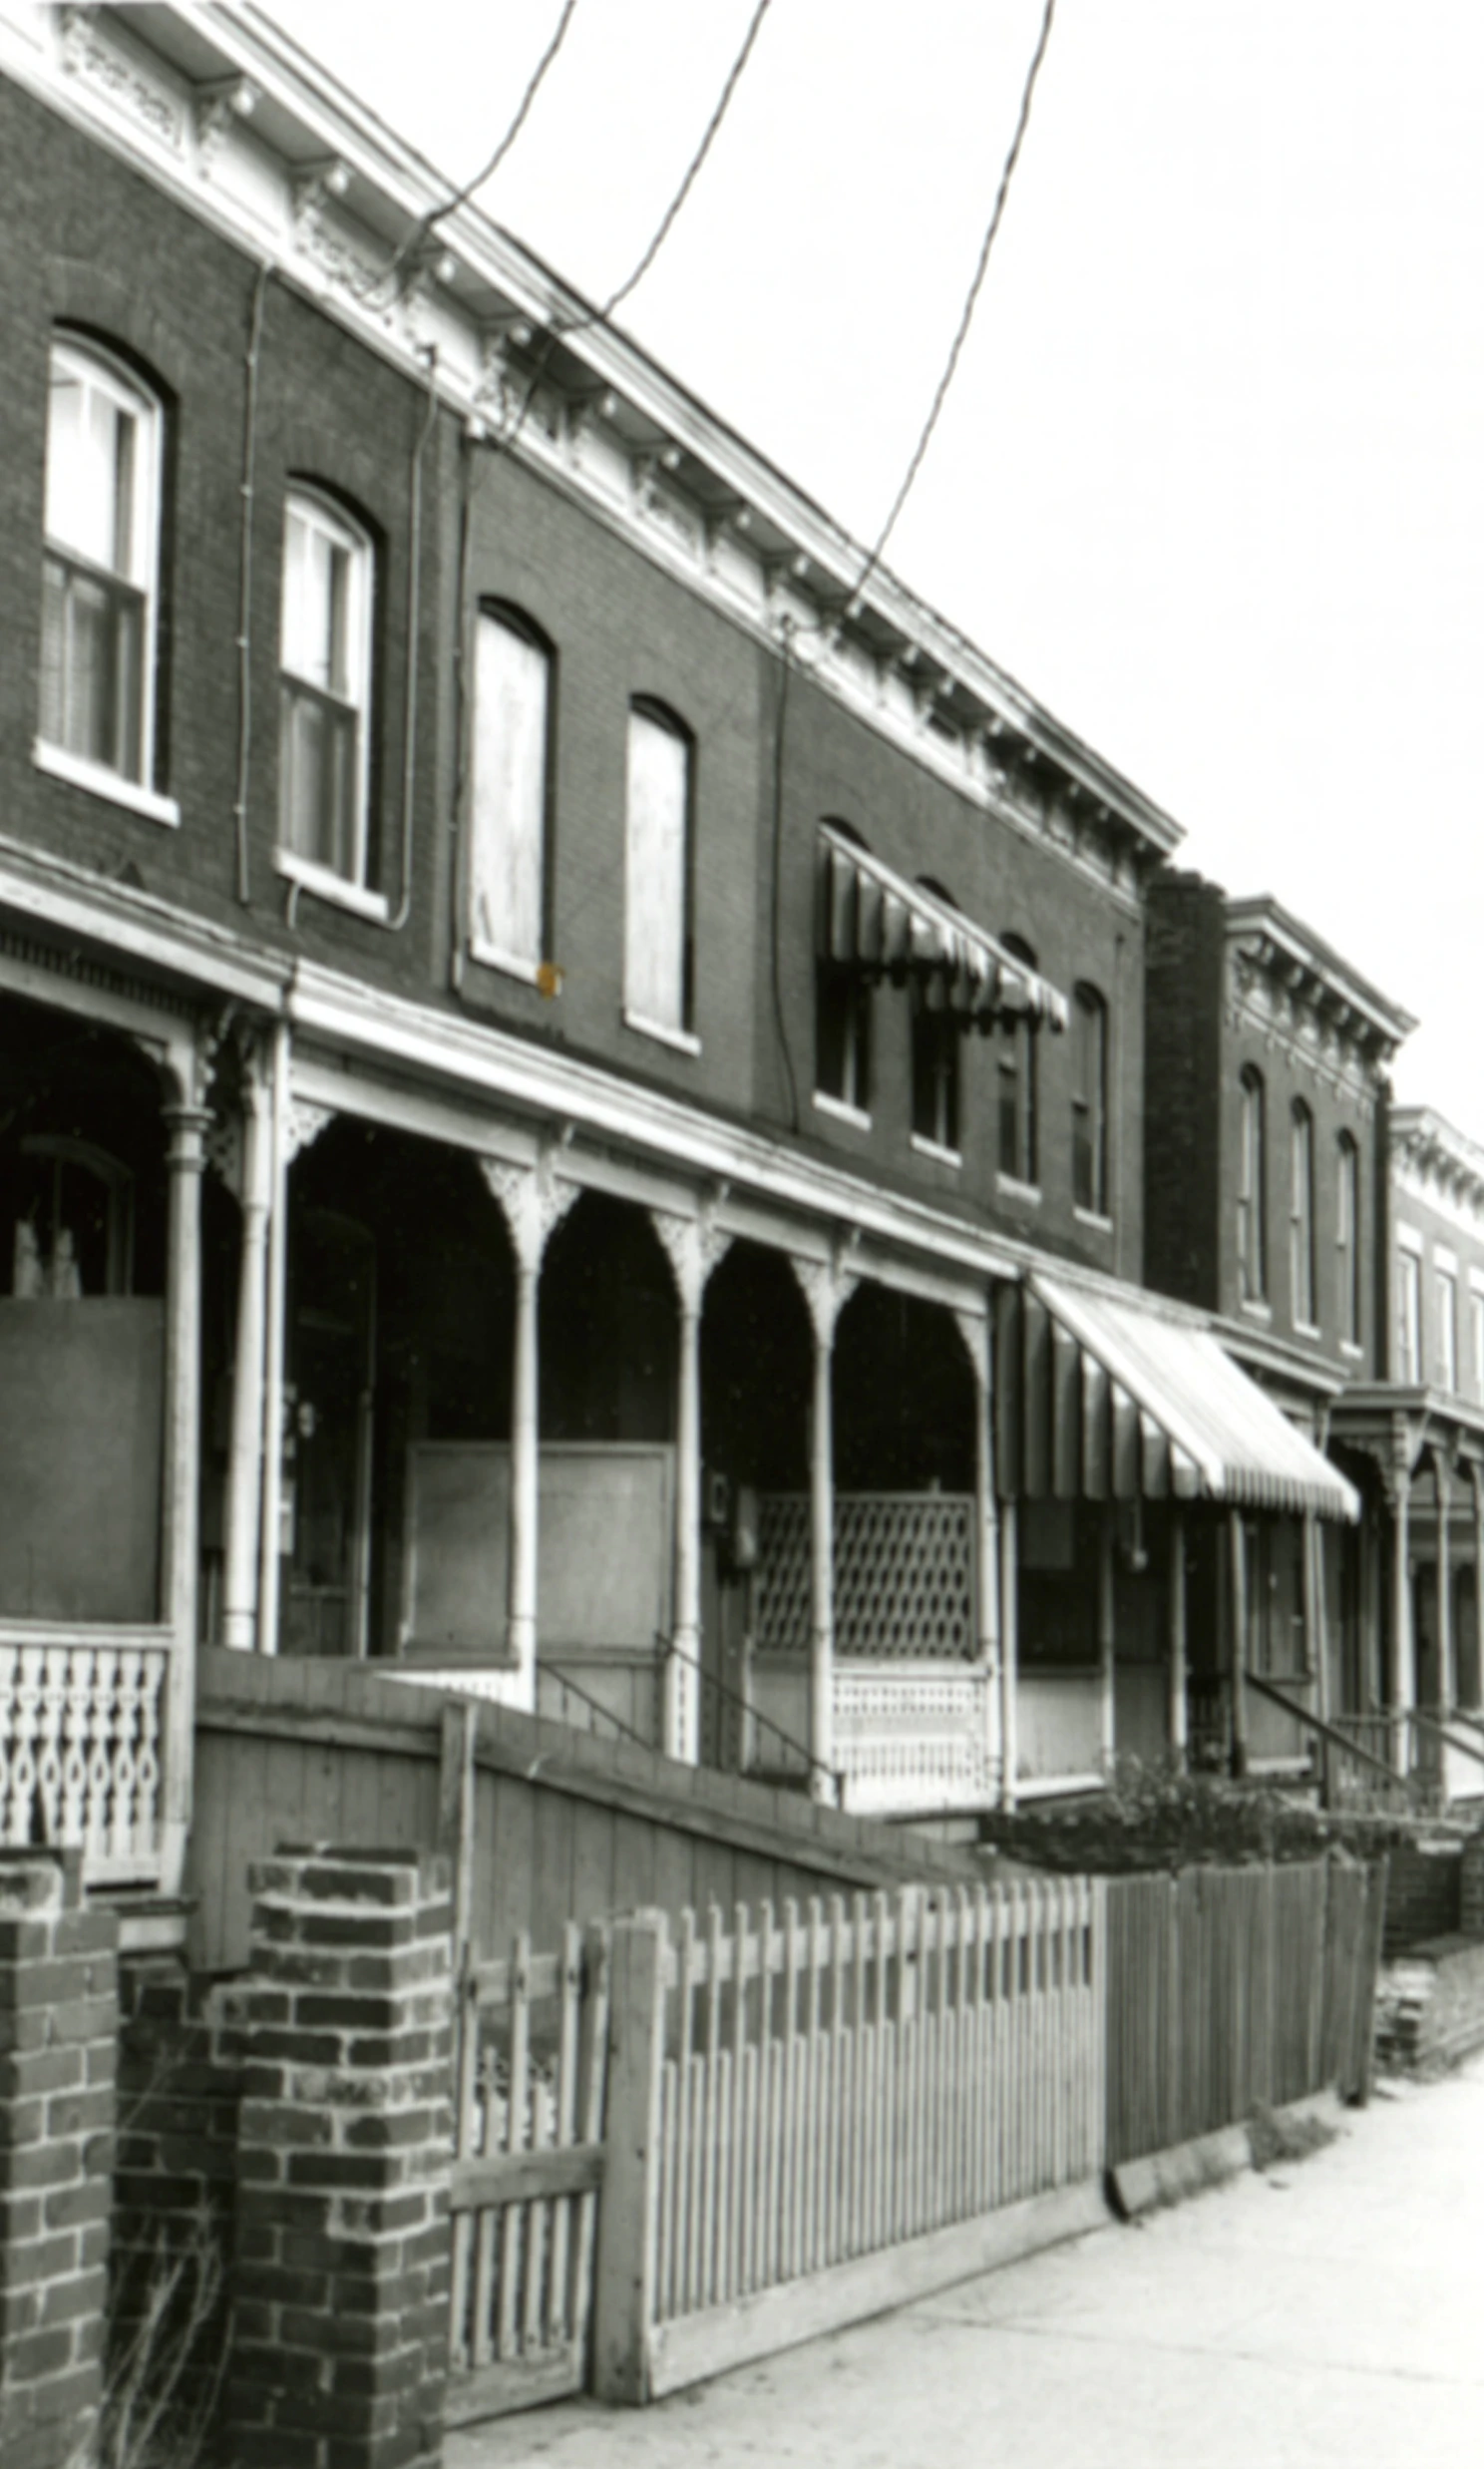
(914, 1740)
(80, 1765)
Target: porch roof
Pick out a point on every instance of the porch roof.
(876, 920)
(1104, 1397)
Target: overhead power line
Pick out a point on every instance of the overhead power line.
(965, 319)
(560, 329)
(693, 168)
(413, 247)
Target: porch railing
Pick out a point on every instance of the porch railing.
(81, 1747)
(914, 1740)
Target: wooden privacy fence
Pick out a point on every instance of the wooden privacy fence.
(795, 2107)
(1226, 1987)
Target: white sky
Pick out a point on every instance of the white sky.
(1209, 482)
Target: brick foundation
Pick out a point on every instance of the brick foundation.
(342, 2282)
(1422, 1892)
(58, 2049)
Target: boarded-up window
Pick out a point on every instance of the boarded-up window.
(507, 838)
(656, 943)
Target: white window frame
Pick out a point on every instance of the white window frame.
(489, 828)
(1409, 1310)
(350, 886)
(1476, 1330)
(648, 722)
(1446, 1307)
(1347, 1291)
(1252, 1188)
(99, 372)
(1302, 1266)
(1090, 1096)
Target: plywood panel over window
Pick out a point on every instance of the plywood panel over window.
(656, 951)
(510, 814)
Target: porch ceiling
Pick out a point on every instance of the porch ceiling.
(874, 919)
(1101, 1398)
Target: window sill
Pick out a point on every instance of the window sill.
(683, 1041)
(1308, 1329)
(936, 1150)
(1011, 1187)
(99, 781)
(1350, 1350)
(323, 883)
(841, 1111)
(1258, 1311)
(510, 965)
(1095, 1219)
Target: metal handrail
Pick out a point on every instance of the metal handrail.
(709, 1680)
(1327, 1732)
(622, 1730)
(1435, 1723)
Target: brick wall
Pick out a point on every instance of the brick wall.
(342, 2282)
(1181, 1077)
(58, 2029)
(1422, 1893)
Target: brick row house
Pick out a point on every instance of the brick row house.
(590, 1111)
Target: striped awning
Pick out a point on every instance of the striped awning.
(874, 919)
(1103, 1398)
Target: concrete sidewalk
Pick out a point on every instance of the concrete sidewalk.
(1330, 2312)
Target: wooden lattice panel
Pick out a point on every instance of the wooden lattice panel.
(903, 1576)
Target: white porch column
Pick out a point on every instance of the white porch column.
(1476, 1485)
(693, 1247)
(295, 1123)
(1107, 1635)
(1179, 1716)
(533, 1201)
(826, 1287)
(250, 1176)
(1309, 1574)
(1238, 1536)
(186, 1125)
(1442, 1492)
(1403, 1651)
(974, 1328)
(1009, 1653)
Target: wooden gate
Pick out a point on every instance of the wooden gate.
(529, 2163)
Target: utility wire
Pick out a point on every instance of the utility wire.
(412, 248)
(967, 317)
(600, 315)
(723, 103)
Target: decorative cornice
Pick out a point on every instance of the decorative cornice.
(1440, 1164)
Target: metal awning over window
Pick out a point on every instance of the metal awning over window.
(1100, 1397)
(873, 919)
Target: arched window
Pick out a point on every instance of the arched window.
(658, 959)
(1015, 1056)
(841, 1015)
(325, 694)
(101, 568)
(1089, 1100)
(511, 802)
(936, 1054)
(1347, 1238)
(1252, 1187)
(1302, 1297)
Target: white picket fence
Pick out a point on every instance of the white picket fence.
(810, 2117)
